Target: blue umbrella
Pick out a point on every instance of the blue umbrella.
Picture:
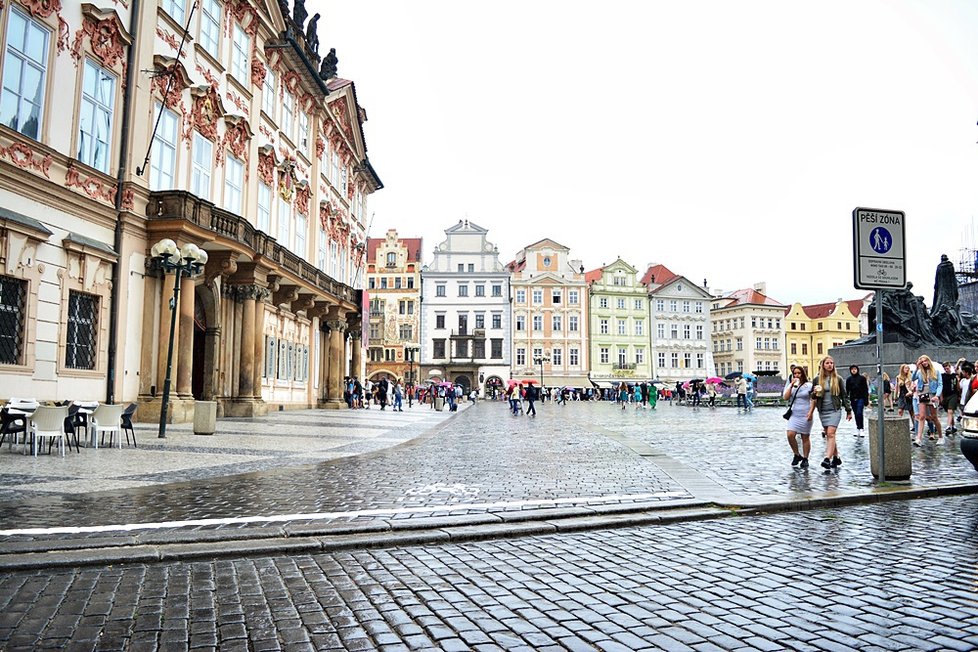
(750, 377)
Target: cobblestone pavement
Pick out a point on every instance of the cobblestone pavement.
(891, 576)
(278, 440)
(580, 452)
(747, 452)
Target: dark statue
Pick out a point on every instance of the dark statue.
(312, 37)
(299, 13)
(283, 5)
(327, 69)
(906, 319)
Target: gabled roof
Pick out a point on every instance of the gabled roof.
(750, 296)
(660, 273)
(413, 246)
(593, 275)
(823, 310)
(544, 241)
(516, 266)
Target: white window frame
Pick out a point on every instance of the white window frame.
(176, 9)
(284, 222)
(303, 136)
(233, 184)
(573, 357)
(573, 297)
(210, 27)
(240, 54)
(268, 94)
(163, 161)
(288, 114)
(202, 166)
(521, 296)
(265, 207)
(95, 120)
(572, 323)
(301, 225)
(604, 354)
(537, 323)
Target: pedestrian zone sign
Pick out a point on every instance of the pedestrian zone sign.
(879, 249)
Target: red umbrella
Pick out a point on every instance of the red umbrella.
(715, 380)
(529, 381)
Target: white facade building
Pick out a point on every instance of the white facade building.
(680, 326)
(465, 311)
(748, 332)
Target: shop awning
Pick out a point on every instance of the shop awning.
(581, 382)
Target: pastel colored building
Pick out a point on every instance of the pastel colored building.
(550, 316)
(680, 326)
(812, 330)
(119, 129)
(748, 332)
(621, 343)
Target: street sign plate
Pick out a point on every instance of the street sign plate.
(879, 249)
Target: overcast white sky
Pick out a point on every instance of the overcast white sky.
(727, 140)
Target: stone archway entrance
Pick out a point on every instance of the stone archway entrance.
(494, 387)
(465, 382)
(206, 339)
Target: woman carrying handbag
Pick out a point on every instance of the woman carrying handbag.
(798, 392)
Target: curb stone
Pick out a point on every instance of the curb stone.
(302, 539)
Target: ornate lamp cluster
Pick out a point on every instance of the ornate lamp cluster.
(188, 261)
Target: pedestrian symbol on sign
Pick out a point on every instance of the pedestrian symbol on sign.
(880, 240)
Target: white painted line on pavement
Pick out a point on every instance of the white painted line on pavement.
(316, 516)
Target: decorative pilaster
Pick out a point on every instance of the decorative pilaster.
(356, 346)
(247, 294)
(186, 348)
(337, 331)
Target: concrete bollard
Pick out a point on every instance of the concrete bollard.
(205, 417)
(896, 446)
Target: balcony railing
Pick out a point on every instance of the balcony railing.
(168, 205)
(619, 367)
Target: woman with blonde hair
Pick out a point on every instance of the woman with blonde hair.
(829, 397)
(903, 396)
(927, 381)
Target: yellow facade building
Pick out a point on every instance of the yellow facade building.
(810, 331)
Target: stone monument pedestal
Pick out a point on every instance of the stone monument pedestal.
(894, 355)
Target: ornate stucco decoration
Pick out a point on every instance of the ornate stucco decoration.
(266, 164)
(237, 135)
(167, 69)
(19, 239)
(338, 108)
(25, 158)
(108, 38)
(207, 109)
(258, 72)
(93, 186)
(88, 262)
(247, 16)
(302, 197)
(41, 8)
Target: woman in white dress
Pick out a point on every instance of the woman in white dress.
(797, 392)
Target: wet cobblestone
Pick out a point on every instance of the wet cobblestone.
(481, 456)
(868, 577)
(748, 454)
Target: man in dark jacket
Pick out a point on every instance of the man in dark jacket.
(532, 394)
(858, 390)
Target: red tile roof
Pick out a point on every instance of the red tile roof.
(752, 296)
(661, 273)
(514, 266)
(823, 310)
(413, 247)
(593, 275)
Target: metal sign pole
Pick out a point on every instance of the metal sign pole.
(880, 462)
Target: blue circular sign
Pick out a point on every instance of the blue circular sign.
(880, 240)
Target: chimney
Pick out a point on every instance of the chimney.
(761, 287)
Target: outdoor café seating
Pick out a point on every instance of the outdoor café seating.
(106, 419)
(48, 421)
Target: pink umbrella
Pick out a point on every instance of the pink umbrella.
(715, 380)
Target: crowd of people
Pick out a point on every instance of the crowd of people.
(924, 391)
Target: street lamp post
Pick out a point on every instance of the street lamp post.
(188, 262)
(410, 351)
(540, 360)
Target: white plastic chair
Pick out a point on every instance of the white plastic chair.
(107, 419)
(48, 421)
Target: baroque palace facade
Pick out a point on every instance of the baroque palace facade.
(215, 124)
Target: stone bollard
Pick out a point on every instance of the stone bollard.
(205, 417)
(896, 446)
